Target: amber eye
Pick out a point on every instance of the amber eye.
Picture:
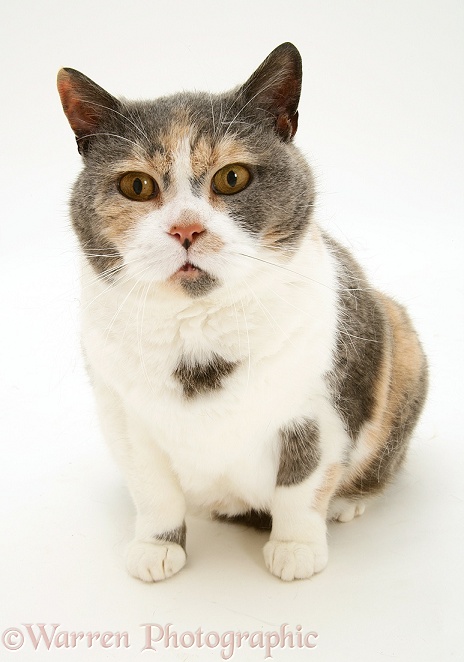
(138, 186)
(231, 179)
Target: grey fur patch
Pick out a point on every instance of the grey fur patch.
(360, 344)
(196, 184)
(277, 206)
(178, 536)
(100, 252)
(200, 286)
(199, 378)
(257, 519)
(299, 452)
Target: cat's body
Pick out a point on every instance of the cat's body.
(241, 363)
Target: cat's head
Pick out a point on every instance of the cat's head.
(190, 191)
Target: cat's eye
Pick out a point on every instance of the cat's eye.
(138, 186)
(231, 179)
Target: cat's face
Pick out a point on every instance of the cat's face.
(186, 191)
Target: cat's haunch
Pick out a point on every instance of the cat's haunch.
(241, 363)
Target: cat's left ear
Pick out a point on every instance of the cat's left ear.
(275, 87)
(85, 105)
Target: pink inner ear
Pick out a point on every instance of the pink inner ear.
(286, 125)
(81, 115)
(286, 95)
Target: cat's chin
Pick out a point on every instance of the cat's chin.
(193, 281)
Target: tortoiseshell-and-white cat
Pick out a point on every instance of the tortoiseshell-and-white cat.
(241, 363)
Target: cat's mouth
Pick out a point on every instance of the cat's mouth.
(188, 267)
(188, 270)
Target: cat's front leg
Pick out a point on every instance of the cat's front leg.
(158, 548)
(306, 480)
(297, 548)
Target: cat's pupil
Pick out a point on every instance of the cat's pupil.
(232, 178)
(137, 186)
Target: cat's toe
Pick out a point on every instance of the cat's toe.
(153, 562)
(295, 560)
(344, 510)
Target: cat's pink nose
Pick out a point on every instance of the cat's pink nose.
(187, 234)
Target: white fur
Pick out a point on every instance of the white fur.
(344, 510)
(218, 451)
(153, 562)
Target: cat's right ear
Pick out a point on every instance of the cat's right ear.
(85, 105)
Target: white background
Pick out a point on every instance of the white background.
(381, 121)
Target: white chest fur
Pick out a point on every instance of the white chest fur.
(278, 330)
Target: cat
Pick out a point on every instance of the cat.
(241, 363)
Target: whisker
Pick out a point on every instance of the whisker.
(110, 285)
(103, 276)
(349, 290)
(95, 254)
(236, 319)
(212, 114)
(140, 336)
(120, 307)
(280, 266)
(269, 315)
(248, 343)
(113, 135)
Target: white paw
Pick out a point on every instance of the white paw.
(295, 560)
(344, 510)
(152, 561)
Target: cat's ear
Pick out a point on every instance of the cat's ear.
(275, 87)
(85, 105)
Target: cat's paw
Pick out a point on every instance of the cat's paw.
(154, 561)
(344, 510)
(295, 560)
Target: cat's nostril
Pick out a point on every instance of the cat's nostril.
(186, 234)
